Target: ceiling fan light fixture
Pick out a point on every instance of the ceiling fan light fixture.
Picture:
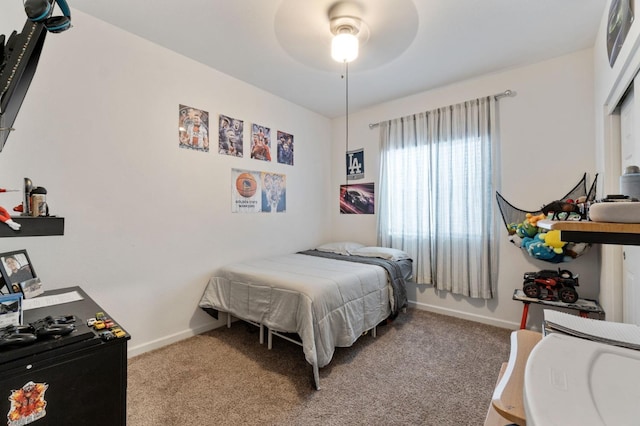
(344, 47)
(347, 29)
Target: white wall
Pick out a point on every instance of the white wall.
(148, 222)
(547, 143)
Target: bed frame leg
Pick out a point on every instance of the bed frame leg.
(261, 334)
(228, 320)
(374, 332)
(269, 339)
(316, 376)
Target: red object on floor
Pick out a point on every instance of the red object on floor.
(525, 314)
(584, 307)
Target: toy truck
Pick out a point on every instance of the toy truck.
(551, 285)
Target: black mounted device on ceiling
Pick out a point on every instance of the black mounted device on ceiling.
(19, 56)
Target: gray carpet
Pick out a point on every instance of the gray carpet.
(423, 368)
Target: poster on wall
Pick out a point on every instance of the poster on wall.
(246, 192)
(193, 128)
(355, 164)
(618, 24)
(260, 142)
(357, 198)
(256, 192)
(230, 136)
(274, 192)
(285, 148)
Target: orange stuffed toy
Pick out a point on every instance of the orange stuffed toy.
(6, 218)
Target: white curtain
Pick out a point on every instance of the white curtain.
(437, 182)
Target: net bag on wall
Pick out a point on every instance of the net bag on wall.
(541, 243)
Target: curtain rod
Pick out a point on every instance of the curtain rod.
(506, 94)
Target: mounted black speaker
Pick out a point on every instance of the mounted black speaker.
(41, 11)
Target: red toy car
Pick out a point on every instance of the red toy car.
(551, 285)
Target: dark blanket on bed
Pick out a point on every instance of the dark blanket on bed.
(392, 268)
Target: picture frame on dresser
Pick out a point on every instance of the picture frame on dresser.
(16, 270)
(10, 310)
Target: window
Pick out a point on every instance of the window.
(460, 187)
(436, 195)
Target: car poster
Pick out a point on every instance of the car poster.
(357, 198)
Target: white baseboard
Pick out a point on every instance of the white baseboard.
(185, 334)
(465, 315)
(167, 340)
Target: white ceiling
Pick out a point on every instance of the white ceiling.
(282, 46)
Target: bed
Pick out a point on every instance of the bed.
(327, 296)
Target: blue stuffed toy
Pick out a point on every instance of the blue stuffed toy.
(536, 248)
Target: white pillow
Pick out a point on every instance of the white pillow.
(343, 247)
(382, 252)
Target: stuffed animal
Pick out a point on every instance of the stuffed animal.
(552, 239)
(529, 226)
(536, 248)
(526, 229)
(561, 209)
(6, 218)
(533, 219)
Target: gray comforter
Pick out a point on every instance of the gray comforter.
(399, 297)
(329, 303)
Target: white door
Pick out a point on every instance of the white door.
(630, 155)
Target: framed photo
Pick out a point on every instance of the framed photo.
(10, 309)
(16, 268)
(31, 288)
(357, 198)
(618, 25)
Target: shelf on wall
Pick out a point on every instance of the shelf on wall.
(594, 232)
(34, 227)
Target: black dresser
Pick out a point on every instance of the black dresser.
(78, 379)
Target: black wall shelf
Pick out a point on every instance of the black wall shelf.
(34, 227)
(595, 232)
